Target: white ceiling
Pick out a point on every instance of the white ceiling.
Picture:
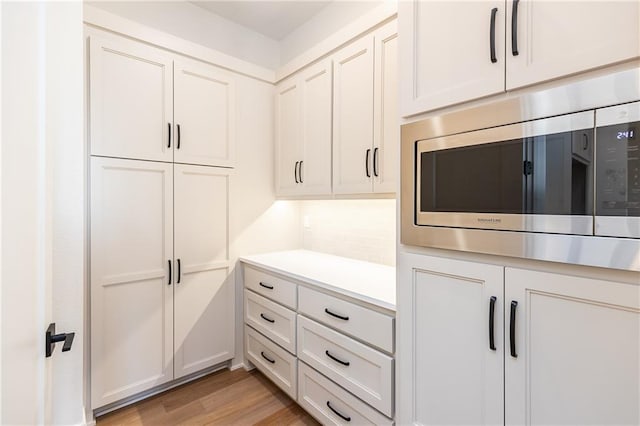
(274, 19)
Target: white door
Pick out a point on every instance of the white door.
(557, 38)
(576, 352)
(204, 283)
(450, 370)
(315, 170)
(131, 291)
(130, 100)
(353, 118)
(386, 131)
(445, 52)
(288, 137)
(204, 114)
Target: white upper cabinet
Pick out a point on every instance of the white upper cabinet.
(575, 356)
(131, 100)
(550, 39)
(204, 284)
(314, 171)
(446, 47)
(147, 104)
(204, 114)
(451, 52)
(288, 136)
(386, 125)
(353, 69)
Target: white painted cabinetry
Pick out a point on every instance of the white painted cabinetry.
(148, 104)
(447, 57)
(571, 346)
(303, 132)
(365, 118)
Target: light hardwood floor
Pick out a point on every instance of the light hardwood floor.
(222, 398)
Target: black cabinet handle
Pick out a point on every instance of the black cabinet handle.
(267, 286)
(295, 172)
(492, 35)
(266, 318)
(338, 360)
(339, 414)
(170, 272)
(179, 272)
(272, 361)
(169, 138)
(512, 329)
(375, 162)
(492, 310)
(300, 172)
(585, 142)
(514, 28)
(366, 163)
(178, 142)
(333, 314)
(51, 338)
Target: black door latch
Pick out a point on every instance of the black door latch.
(51, 338)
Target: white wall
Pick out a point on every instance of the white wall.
(193, 23)
(359, 229)
(329, 20)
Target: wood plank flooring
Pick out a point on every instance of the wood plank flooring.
(222, 398)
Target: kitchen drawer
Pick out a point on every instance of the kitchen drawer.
(346, 317)
(320, 397)
(365, 372)
(274, 321)
(271, 286)
(276, 363)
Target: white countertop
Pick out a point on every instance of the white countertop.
(370, 282)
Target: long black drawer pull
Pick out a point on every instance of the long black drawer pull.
(338, 360)
(375, 161)
(295, 172)
(512, 329)
(272, 361)
(169, 138)
(300, 172)
(333, 314)
(178, 142)
(338, 413)
(492, 310)
(492, 35)
(266, 318)
(170, 272)
(179, 272)
(366, 163)
(514, 28)
(267, 286)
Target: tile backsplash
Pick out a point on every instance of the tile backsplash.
(359, 229)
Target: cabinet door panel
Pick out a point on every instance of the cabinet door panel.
(131, 301)
(131, 100)
(205, 112)
(288, 137)
(315, 171)
(353, 117)
(578, 350)
(559, 38)
(450, 373)
(386, 124)
(446, 53)
(204, 299)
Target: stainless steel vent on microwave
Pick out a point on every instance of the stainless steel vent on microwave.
(551, 175)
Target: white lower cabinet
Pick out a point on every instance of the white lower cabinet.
(570, 352)
(162, 290)
(338, 380)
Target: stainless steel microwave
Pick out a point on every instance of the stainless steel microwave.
(552, 175)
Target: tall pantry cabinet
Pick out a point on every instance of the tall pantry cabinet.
(161, 131)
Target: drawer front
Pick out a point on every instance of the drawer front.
(270, 286)
(331, 404)
(274, 321)
(276, 363)
(363, 371)
(346, 317)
